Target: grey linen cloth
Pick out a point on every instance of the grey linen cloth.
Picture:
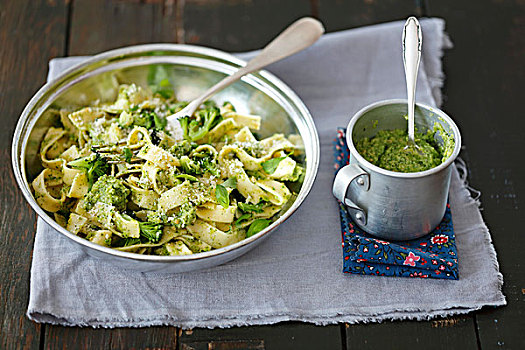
(296, 273)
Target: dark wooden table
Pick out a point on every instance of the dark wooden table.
(484, 91)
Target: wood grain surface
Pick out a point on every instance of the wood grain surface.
(24, 54)
(286, 335)
(237, 25)
(121, 338)
(449, 333)
(483, 90)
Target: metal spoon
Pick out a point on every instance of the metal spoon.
(412, 40)
(298, 36)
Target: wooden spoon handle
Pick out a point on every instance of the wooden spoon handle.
(298, 36)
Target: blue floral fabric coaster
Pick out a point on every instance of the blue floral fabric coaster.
(431, 256)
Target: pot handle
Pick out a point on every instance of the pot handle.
(343, 179)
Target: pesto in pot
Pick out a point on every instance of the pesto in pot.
(391, 150)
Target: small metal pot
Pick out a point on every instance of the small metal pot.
(388, 204)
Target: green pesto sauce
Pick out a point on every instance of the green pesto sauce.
(391, 150)
(109, 190)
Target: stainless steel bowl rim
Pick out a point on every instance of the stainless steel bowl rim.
(18, 163)
(375, 168)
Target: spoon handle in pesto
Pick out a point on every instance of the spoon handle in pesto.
(412, 40)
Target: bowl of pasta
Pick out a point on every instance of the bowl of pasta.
(95, 158)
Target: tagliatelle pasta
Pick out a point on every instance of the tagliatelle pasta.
(114, 175)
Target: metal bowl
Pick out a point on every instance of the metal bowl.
(194, 69)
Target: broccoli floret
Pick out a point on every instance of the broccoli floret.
(199, 164)
(182, 148)
(189, 166)
(160, 122)
(184, 124)
(151, 231)
(93, 165)
(131, 241)
(197, 126)
(144, 119)
(207, 162)
(186, 216)
(108, 190)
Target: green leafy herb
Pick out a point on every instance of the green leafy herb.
(228, 106)
(151, 231)
(297, 175)
(222, 195)
(256, 208)
(93, 165)
(242, 218)
(165, 89)
(271, 165)
(230, 183)
(158, 81)
(257, 226)
(127, 154)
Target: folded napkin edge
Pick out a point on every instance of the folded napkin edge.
(321, 319)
